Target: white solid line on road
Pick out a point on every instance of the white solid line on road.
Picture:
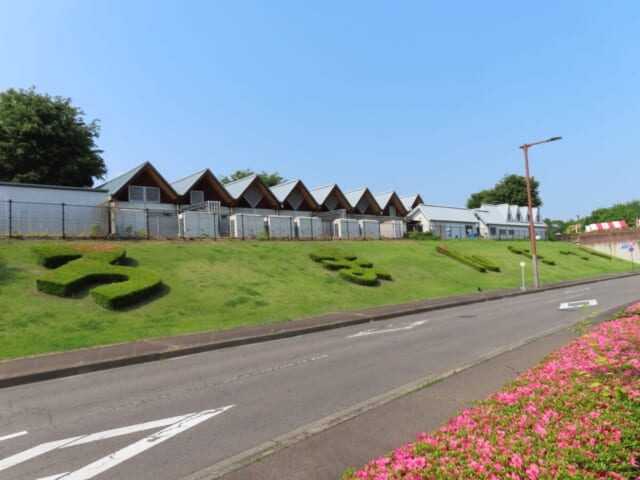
(13, 435)
(375, 331)
(46, 447)
(577, 304)
(115, 458)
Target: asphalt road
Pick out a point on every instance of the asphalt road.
(197, 416)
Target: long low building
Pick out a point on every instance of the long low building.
(141, 203)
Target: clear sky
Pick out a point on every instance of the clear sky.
(426, 97)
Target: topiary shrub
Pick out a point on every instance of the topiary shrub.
(96, 264)
(461, 258)
(350, 267)
(485, 262)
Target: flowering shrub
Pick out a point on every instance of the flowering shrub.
(576, 415)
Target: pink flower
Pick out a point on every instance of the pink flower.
(533, 472)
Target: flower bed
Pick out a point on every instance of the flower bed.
(576, 415)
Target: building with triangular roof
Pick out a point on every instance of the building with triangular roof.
(141, 185)
(294, 195)
(251, 192)
(391, 204)
(201, 187)
(330, 198)
(411, 201)
(363, 202)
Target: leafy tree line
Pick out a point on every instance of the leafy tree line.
(512, 189)
(270, 179)
(45, 140)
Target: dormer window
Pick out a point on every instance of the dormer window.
(509, 216)
(519, 217)
(196, 196)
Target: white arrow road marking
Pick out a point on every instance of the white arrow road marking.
(175, 425)
(13, 435)
(578, 304)
(375, 331)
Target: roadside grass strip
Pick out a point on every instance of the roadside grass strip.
(350, 267)
(77, 266)
(575, 415)
(476, 262)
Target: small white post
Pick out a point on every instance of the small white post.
(523, 287)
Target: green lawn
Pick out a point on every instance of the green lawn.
(218, 285)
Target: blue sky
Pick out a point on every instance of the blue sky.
(412, 96)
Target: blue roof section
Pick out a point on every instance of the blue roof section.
(440, 213)
(383, 198)
(238, 187)
(284, 189)
(320, 194)
(114, 185)
(183, 185)
(354, 196)
(409, 200)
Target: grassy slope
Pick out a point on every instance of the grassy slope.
(218, 285)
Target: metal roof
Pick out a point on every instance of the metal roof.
(284, 189)
(320, 194)
(440, 213)
(238, 187)
(114, 185)
(499, 215)
(183, 185)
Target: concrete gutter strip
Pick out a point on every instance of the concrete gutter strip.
(49, 366)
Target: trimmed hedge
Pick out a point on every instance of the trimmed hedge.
(349, 267)
(569, 252)
(594, 252)
(469, 261)
(527, 253)
(126, 285)
(488, 264)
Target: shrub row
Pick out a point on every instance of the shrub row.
(350, 267)
(56, 255)
(464, 259)
(527, 253)
(126, 285)
(569, 252)
(485, 262)
(421, 236)
(594, 252)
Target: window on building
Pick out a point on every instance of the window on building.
(196, 196)
(138, 193)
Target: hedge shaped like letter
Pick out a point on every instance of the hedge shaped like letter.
(527, 254)
(469, 261)
(350, 267)
(78, 265)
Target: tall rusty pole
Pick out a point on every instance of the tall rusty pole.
(532, 230)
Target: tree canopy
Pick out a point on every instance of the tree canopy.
(629, 212)
(44, 140)
(512, 189)
(270, 179)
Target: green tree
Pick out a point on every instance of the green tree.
(512, 189)
(270, 179)
(44, 140)
(620, 211)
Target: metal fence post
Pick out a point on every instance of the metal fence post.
(10, 218)
(147, 215)
(63, 234)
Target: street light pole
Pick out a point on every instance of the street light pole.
(532, 231)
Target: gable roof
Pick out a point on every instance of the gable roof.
(118, 184)
(387, 199)
(362, 196)
(186, 184)
(505, 214)
(238, 188)
(440, 213)
(322, 194)
(411, 201)
(284, 190)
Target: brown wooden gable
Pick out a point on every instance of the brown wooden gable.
(148, 176)
(212, 189)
